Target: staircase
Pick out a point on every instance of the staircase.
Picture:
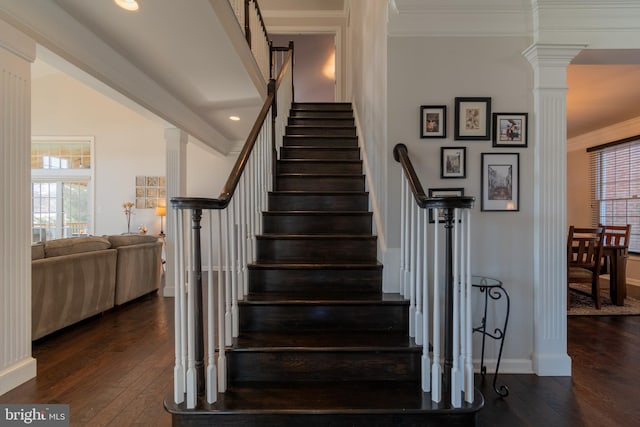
(319, 342)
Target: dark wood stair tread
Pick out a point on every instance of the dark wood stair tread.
(340, 397)
(330, 341)
(283, 299)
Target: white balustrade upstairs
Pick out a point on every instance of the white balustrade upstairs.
(435, 277)
(250, 19)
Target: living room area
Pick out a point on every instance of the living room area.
(96, 232)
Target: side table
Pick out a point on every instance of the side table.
(492, 288)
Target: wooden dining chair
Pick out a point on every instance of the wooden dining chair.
(616, 235)
(584, 257)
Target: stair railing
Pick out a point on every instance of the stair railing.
(255, 31)
(429, 253)
(232, 221)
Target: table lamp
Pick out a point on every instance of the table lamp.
(161, 211)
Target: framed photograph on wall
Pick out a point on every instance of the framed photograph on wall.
(443, 192)
(510, 130)
(433, 121)
(473, 119)
(453, 162)
(500, 182)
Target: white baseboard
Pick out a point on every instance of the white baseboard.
(17, 374)
(554, 365)
(507, 366)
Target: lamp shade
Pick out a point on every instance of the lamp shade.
(161, 211)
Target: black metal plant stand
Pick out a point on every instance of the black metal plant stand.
(493, 289)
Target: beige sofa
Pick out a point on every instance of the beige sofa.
(76, 278)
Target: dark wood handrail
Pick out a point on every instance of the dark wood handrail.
(230, 186)
(401, 155)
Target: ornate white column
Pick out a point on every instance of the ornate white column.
(176, 141)
(549, 62)
(17, 51)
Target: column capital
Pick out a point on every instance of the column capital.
(554, 55)
(175, 138)
(549, 62)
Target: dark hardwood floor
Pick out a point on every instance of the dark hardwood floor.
(116, 370)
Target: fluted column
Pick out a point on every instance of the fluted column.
(550, 63)
(16, 54)
(176, 144)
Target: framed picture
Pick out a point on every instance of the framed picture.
(510, 129)
(500, 182)
(433, 121)
(443, 192)
(453, 162)
(473, 119)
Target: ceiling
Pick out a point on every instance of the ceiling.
(604, 89)
(180, 49)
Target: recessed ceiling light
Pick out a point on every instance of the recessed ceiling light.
(130, 5)
(234, 118)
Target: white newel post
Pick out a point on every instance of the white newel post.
(549, 62)
(176, 145)
(16, 54)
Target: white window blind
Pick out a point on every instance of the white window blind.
(615, 186)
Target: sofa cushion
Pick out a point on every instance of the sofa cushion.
(74, 245)
(131, 239)
(37, 251)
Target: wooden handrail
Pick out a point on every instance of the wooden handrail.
(230, 186)
(401, 155)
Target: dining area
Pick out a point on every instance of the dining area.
(593, 254)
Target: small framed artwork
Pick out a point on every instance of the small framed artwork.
(500, 182)
(472, 119)
(510, 129)
(443, 192)
(433, 121)
(453, 162)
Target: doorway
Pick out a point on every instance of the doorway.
(314, 76)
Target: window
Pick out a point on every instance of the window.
(61, 187)
(615, 172)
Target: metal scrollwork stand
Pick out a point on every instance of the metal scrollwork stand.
(493, 289)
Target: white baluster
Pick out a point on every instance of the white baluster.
(469, 353)
(228, 321)
(455, 369)
(222, 360)
(212, 374)
(419, 284)
(426, 360)
(232, 266)
(403, 234)
(412, 271)
(407, 254)
(436, 368)
(178, 316)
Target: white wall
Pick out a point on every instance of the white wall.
(127, 144)
(433, 71)
(367, 83)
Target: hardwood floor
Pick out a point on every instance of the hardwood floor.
(117, 369)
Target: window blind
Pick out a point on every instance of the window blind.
(615, 186)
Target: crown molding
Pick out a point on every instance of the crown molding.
(304, 14)
(614, 132)
(495, 18)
